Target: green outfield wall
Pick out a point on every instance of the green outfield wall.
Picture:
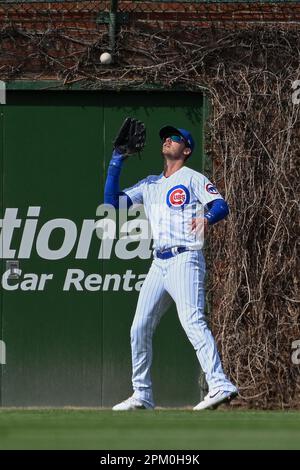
(67, 295)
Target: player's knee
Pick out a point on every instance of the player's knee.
(139, 332)
(194, 326)
(193, 318)
(135, 332)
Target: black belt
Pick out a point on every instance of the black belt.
(169, 253)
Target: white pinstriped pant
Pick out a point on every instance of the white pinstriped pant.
(180, 278)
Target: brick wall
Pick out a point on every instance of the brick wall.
(70, 28)
(69, 13)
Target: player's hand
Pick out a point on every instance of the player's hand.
(199, 226)
(131, 137)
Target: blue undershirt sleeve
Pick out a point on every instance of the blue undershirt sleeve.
(112, 191)
(217, 210)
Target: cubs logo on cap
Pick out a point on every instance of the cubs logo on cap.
(211, 189)
(178, 196)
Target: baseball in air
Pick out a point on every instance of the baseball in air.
(106, 58)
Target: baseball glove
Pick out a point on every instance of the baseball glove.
(131, 137)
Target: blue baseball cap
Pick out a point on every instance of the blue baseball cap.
(170, 130)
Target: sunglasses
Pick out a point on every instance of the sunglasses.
(176, 138)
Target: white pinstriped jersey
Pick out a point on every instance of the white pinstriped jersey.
(171, 203)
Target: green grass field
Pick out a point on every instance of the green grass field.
(150, 430)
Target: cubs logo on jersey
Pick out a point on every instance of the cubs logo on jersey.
(178, 196)
(211, 189)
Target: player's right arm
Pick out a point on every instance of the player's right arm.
(129, 140)
(112, 193)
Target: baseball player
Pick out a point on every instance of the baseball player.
(171, 201)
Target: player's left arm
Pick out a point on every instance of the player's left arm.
(216, 208)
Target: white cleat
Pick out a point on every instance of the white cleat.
(214, 399)
(130, 404)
